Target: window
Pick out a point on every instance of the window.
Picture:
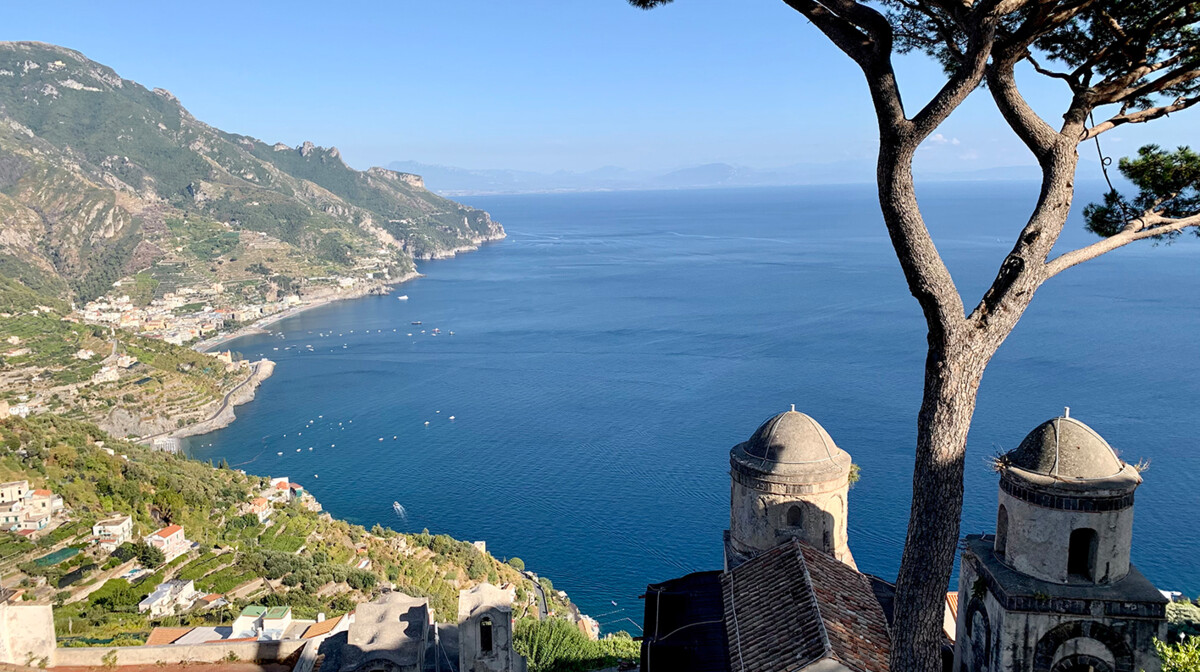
(795, 517)
(1081, 554)
(485, 635)
(1002, 532)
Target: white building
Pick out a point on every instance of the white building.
(112, 532)
(168, 598)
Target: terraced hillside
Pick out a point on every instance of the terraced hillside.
(101, 178)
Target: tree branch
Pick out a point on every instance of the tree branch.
(1147, 226)
(1139, 117)
(1037, 135)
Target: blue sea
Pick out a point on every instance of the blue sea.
(609, 352)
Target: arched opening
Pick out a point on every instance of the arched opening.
(1002, 532)
(485, 634)
(1081, 554)
(795, 516)
(1081, 663)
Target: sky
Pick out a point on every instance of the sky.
(540, 85)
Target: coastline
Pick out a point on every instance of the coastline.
(245, 392)
(259, 326)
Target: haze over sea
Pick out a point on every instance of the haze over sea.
(608, 354)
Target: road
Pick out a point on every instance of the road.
(541, 593)
(224, 404)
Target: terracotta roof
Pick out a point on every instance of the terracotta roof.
(322, 628)
(160, 636)
(793, 606)
(281, 486)
(43, 493)
(295, 486)
(952, 601)
(258, 501)
(167, 531)
(212, 597)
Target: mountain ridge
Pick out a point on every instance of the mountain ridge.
(97, 172)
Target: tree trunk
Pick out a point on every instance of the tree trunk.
(953, 369)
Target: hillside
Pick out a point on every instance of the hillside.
(101, 177)
(297, 556)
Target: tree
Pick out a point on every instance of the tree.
(1124, 62)
(1181, 657)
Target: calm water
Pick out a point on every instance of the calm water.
(608, 354)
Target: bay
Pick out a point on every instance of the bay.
(612, 349)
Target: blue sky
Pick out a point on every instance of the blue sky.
(528, 84)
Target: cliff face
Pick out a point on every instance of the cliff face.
(100, 177)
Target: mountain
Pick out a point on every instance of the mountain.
(101, 177)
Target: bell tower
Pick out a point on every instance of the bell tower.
(1053, 590)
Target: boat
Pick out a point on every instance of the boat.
(415, 322)
(402, 297)
(279, 453)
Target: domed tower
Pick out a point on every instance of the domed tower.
(788, 480)
(1066, 506)
(1053, 590)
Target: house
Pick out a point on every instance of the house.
(106, 374)
(297, 490)
(33, 521)
(275, 623)
(170, 541)
(168, 598)
(13, 491)
(84, 354)
(11, 513)
(44, 501)
(249, 623)
(126, 361)
(211, 601)
(112, 532)
(260, 507)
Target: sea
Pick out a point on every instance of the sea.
(569, 395)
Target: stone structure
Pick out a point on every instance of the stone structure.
(26, 634)
(390, 634)
(485, 631)
(789, 480)
(1053, 590)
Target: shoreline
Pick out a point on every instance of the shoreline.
(259, 326)
(226, 416)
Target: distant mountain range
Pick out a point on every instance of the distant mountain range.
(453, 181)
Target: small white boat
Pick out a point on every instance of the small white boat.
(279, 453)
(426, 423)
(452, 417)
(297, 450)
(402, 297)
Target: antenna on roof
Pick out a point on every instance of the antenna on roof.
(1066, 411)
(793, 408)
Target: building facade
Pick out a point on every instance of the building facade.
(1053, 590)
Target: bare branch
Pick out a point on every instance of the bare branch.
(1147, 226)
(1139, 117)
(1071, 78)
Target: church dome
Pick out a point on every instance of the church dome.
(1065, 453)
(793, 444)
(1066, 448)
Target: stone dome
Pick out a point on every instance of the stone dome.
(1065, 450)
(793, 444)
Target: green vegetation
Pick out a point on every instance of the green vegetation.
(1181, 657)
(313, 557)
(557, 645)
